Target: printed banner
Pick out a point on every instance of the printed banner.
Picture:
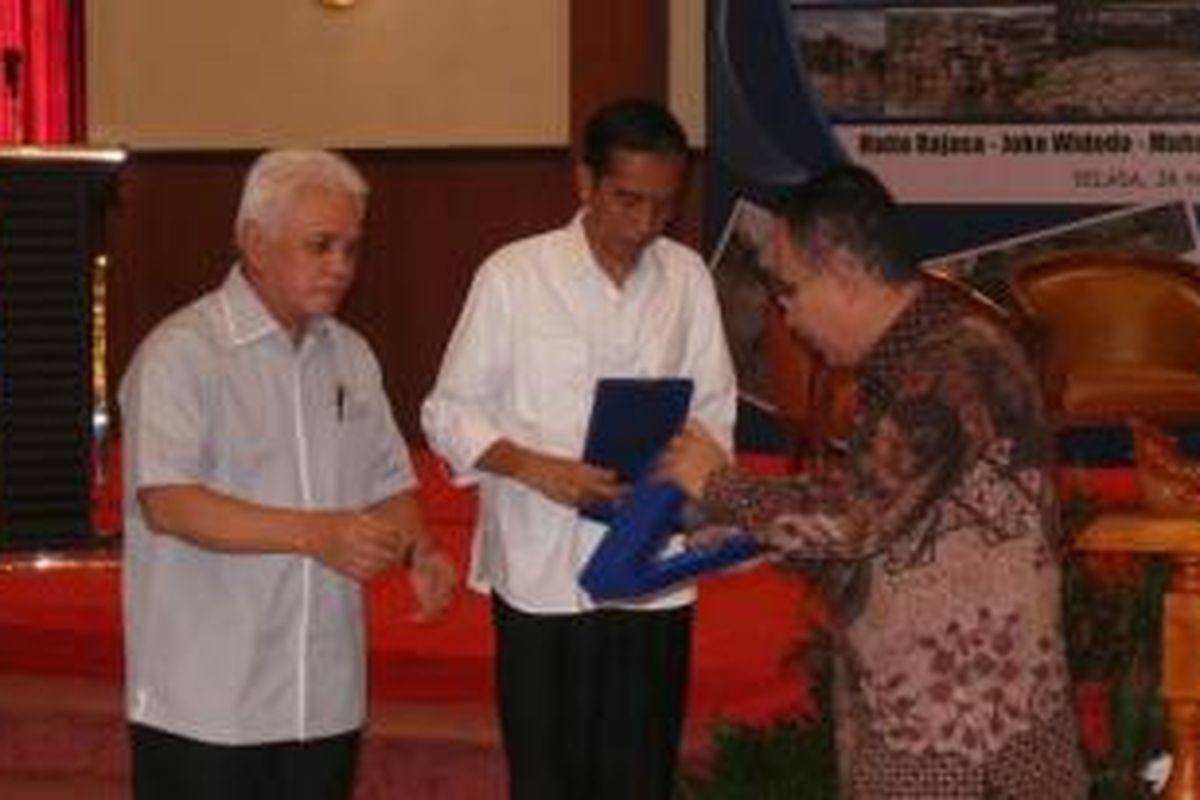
(1029, 163)
(1005, 129)
(1068, 102)
(1061, 104)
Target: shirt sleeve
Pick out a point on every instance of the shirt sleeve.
(911, 456)
(163, 413)
(459, 415)
(711, 367)
(390, 468)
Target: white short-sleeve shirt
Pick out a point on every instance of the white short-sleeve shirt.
(541, 324)
(238, 648)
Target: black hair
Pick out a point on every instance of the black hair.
(631, 124)
(848, 207)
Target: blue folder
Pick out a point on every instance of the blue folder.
(627, 563)
(632, 420)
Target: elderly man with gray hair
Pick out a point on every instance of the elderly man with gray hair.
(265, 480)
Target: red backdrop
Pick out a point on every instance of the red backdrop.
(41, 93)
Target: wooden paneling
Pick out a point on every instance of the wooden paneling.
(434, 215)
(618, 48)
(170, 237)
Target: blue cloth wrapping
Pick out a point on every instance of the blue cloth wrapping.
(626, 563)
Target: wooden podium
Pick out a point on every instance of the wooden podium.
(1179, 539)
(52, 204)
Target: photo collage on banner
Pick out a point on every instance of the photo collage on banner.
(1005, 129)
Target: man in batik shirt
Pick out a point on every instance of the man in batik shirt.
(939, 528)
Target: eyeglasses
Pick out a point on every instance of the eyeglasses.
(779, 292)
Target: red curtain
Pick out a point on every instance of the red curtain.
(42, 88)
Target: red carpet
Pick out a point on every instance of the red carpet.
(67, 622)
(432, 735)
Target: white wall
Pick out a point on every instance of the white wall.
(385, 73)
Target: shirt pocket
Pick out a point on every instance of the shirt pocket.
(363, 457)
(249, 435)
(555, 395)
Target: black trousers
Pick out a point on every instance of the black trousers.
(170, 767)
(591, 704)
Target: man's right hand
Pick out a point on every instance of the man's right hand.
(356, 544)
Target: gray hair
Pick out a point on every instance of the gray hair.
(273, 180)
(848, 207)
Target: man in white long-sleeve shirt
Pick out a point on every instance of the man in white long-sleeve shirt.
(591, 699)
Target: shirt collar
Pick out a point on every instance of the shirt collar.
(582, 262)
(246, 318)
(932, 308)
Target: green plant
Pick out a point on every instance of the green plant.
(1112, 611)
(785, 760)
(791, 757)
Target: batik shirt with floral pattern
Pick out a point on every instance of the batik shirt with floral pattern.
(940, 528)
